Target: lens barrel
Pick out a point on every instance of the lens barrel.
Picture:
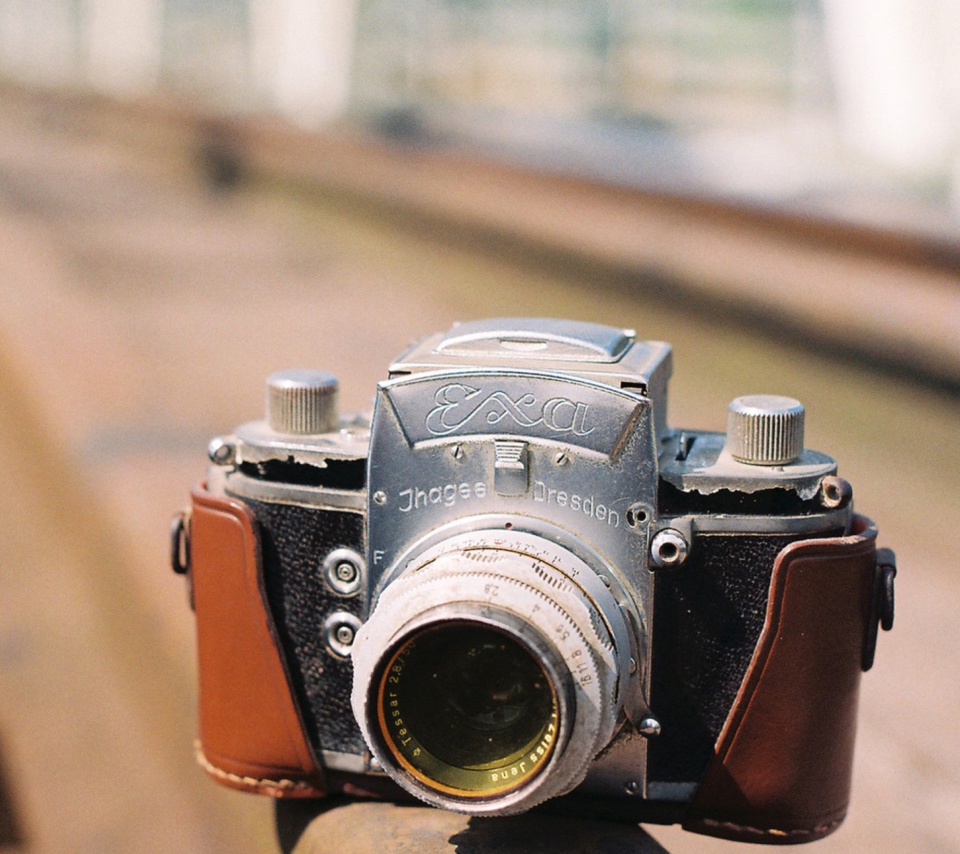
(486, 680)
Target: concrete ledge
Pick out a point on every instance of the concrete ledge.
(344, 827)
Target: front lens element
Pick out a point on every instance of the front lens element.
(467, 709)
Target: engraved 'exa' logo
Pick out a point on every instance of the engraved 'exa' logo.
(459, 404)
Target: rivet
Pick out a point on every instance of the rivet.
(343, 571)
(650, 727)
(340, 629)
(222, 452)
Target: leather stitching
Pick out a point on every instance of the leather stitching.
(819, 830)
(276, 785)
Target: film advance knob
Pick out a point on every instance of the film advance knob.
(302, 402)
(765, 429)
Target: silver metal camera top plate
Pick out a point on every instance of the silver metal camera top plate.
(603, 353)
(708, 467)
(257, 441)
(232, 482)
(536, 338)
(645, 365)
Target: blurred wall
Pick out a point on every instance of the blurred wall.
(896, 65)
(762, 98)
(293, 56)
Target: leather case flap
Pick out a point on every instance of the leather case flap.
(782, 765)
(250, 733)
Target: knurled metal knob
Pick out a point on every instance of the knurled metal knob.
(303, 402)
(765, 429)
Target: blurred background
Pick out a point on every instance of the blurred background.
(195, 193)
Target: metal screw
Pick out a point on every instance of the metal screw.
(633, 665)
(222, 452)
(457, 452)
(637, 515)
(346, 572)
(380, 497)
(561, 459)
(632, 787)
(345, 635)
(650, 727)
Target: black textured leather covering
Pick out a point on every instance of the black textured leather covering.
(295, 540)
(708, 615)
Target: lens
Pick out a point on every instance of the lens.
(467, 709)
(486, 678)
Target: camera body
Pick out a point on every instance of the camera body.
(514, 584)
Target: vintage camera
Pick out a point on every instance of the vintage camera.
(514, 584)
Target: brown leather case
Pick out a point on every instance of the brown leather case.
(251, 736)
(782, 765)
